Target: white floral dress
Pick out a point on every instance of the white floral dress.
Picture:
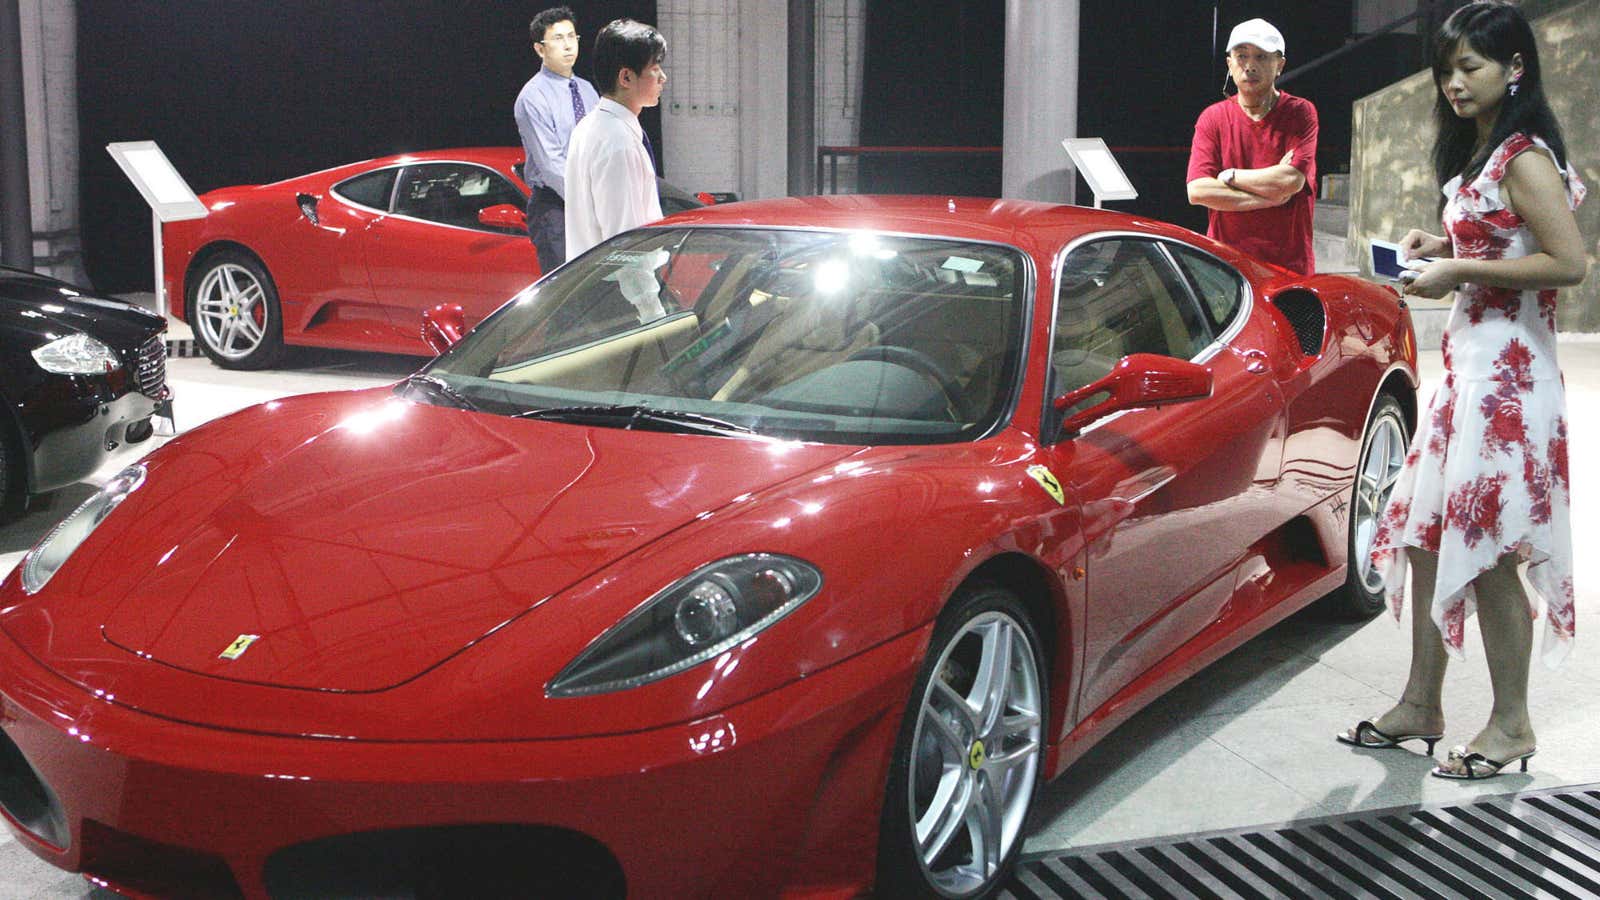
(1486, 474)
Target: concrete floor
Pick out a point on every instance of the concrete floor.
(1248, 741)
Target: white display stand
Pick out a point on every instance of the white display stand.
(170, 197)
(1092, 158)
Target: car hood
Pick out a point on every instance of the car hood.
(45, 305)
(365, 539)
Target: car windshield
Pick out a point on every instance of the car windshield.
(839, 337)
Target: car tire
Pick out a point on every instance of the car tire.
(1383, 451)
(966, 766)
(233, 310)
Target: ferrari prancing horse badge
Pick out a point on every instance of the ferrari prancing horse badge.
(239, 646)
(1048, 482)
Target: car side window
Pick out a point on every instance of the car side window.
(454, 194)
(1118, 297)
(370, 189)
(1220, 287)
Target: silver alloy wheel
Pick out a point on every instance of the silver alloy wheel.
(975, 754)
(231, 311)
(1380, 469)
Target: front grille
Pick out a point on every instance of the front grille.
(137, 866)
(27, 799)
(150, 366)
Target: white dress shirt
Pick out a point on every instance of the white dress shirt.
(611, 183)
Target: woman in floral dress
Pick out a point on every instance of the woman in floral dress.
(1484, 487)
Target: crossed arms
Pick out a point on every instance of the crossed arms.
(1250, 188)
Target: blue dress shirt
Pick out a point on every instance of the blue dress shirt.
(545, 117)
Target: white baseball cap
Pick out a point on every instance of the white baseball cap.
(1256, 31)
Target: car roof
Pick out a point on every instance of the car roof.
(498, 157)
(491, 155)
(1028, 224)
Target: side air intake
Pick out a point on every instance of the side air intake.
(1305, 315)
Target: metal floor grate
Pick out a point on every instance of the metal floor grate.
(1534, 844)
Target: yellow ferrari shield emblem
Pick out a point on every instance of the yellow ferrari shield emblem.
(975, 756)
(239, 646)
(1048, 482)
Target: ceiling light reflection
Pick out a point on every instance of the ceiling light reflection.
(370, 420)
(831, 277)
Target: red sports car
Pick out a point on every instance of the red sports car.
(350, 257)
(780, 549)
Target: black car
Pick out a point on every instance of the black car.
(80, 377)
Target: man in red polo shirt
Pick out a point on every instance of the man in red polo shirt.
(1253, 162)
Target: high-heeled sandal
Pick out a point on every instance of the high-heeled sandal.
(1478, 766)
(1370, 736)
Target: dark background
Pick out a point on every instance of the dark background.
(247, 92)
(241, 92)
(935, 76)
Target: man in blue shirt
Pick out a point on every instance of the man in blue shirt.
(547, 108)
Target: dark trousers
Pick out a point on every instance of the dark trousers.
(547, 227)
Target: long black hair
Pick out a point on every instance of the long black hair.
(1497, 31)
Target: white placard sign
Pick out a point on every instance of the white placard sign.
(158, 182)
(1094, 161)
(170, 197)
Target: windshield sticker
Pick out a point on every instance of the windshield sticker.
(1048, 482)
(962, 264)
(642, 258)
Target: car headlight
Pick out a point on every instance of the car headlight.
(692, 620)
(51, 553)
(76, 354)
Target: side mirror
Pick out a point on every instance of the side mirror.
(443, 326)
(503, 215)
(1136, 381)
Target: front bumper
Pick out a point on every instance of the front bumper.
(779, 795)
(83, 434)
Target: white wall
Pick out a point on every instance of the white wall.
(724, 116)
(840, 36)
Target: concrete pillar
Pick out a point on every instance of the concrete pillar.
(802, 97)
(49, 32)
(16, 234)
(1041, 101)
(763, 110)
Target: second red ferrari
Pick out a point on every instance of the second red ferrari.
(349, 257)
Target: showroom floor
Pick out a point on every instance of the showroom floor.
(1246, 742)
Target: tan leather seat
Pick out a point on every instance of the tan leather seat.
(805, 336)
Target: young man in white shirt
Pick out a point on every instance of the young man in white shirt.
(610, 173)
(552, 102)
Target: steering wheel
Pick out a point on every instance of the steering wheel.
(922, 364)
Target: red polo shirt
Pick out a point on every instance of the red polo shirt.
(1226, 138)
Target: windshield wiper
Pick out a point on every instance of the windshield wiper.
(635, 415)
(439, 387)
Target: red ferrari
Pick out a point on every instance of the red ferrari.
(779, 549)
(350, 257)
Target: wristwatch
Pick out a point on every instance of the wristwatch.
(1226, 176)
